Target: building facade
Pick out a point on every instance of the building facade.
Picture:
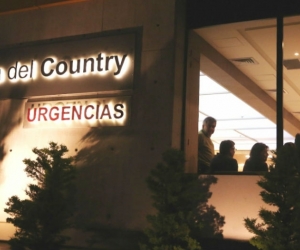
(117, 82)
(118, 110)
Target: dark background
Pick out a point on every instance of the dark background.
(201, 13)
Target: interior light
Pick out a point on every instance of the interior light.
(296, 54)
(242, 124)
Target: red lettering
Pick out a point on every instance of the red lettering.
(97, 111)
(28, 115)
(75, 111)
(55, 115)
(65, 112)
(85, 112)
(42, 113)
(105, 112)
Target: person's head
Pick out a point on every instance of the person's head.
(259, 152)
(227, 148)
(209, 125)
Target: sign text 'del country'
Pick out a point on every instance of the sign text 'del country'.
(51, 67)
(75, 65)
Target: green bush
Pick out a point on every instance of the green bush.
(40, 219)
(279, 228)
(183, 216)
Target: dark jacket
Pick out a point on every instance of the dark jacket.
(255, 166)
(223, 163)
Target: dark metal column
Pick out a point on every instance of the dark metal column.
(279, 83)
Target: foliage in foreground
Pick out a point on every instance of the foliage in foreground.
(279, 228)
(40, 219)
(183, 216)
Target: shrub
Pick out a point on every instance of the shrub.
(280, 227)
(181, 203)
(40, 219)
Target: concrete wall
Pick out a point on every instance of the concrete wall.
(237, 197)
(114, 160)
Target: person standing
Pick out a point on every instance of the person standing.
(205, 145)
(224, 160)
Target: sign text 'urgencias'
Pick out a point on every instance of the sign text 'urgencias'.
(77, 113)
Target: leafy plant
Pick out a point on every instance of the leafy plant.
(181, 203)
(279, 228)
(42, 217)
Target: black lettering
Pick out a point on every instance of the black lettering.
(120, 111)
(31, 68)
(105, 112)
(15, 72)
(43, 66)
(99, 59)
(108, 58)
(72, 71)
(23, 69)
(119, 65)
(64, 68)
(91, 60)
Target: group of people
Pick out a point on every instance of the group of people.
(208, 162)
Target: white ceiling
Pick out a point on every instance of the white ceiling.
(236, 120)
(253, 119)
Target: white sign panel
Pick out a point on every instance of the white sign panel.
(111, 111)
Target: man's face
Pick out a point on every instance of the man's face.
(209, 128)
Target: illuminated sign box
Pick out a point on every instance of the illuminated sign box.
(81, 64)
(77, 113)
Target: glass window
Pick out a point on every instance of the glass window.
(237, 83)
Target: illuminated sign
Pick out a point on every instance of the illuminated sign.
(77, 113)
(74, 65)
(50, 67)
